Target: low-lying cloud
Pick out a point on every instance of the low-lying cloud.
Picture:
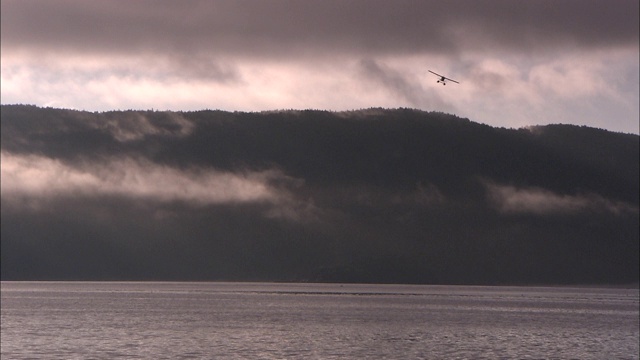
(135, 126)
(532, 200)
(41, 177)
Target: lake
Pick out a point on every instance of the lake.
(176, 320)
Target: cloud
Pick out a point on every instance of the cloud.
(32, 181)
(571, 78)
(519, 63)
(282, 28)
(135, 126)
(402, 86)
(532, 200)
(39, 176)
(584, 88)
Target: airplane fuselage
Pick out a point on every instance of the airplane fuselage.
(443, 79)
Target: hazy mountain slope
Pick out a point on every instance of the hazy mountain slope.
(373, 195)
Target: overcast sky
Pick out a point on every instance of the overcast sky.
(519, 63)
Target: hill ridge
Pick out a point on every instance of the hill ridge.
(373, 195)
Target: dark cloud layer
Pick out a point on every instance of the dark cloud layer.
(373, 195)
(519, 62)
(285, 28)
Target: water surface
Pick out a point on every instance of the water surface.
(145, 320)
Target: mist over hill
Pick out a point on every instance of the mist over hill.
(377, 195)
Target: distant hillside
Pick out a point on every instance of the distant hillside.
(393, 196)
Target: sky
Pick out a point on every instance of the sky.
(519, 63)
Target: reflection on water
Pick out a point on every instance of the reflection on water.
(67, 320)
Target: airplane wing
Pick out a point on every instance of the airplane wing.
(444, 77)
(451, 80)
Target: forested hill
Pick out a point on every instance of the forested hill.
(393, 196)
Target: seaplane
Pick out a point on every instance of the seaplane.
(443, 78)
